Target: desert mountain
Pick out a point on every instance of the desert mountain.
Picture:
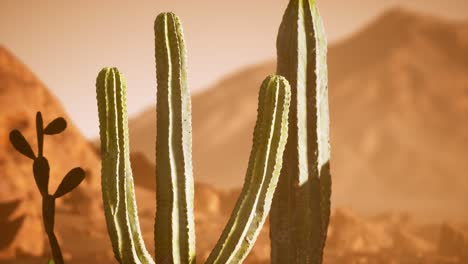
(21, 95)
(398, 102)
(387, 238)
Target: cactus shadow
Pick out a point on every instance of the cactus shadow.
(10, 227)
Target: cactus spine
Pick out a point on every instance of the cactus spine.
(174, 228)
(301, 206)
(262, 175)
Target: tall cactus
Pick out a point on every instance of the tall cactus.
(174, 228)
(41, 172)
(301, 206)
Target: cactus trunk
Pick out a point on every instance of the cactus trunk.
(262, 175)
(301, 206)
(175, 227)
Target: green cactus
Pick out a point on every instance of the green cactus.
(301, 206)
(41, 172)
(174, 227)
(117, 180)
(175, 224)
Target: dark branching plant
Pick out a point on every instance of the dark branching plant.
(41, 171)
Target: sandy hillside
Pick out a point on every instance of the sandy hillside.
(389, 238)
(21, 95)
(398, 100)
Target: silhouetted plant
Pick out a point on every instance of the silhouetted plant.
(41, 172)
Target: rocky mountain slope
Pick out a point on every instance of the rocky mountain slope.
(390, 237)
(398, 102)
(21, 95)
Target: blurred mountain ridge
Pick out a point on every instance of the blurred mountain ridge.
(398, 102)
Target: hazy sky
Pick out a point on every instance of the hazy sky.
(67, 42)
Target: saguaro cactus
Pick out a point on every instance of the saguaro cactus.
(301, 206)
(174, 228)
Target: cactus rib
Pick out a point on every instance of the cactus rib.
(174, 224)
(117, 180)
(301, 205)
(264, 167)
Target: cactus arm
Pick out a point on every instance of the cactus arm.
(108, 135)
(174, 224)
(265, 163)
(301, 206)
(117, 181)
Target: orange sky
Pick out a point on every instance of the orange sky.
(67, 42)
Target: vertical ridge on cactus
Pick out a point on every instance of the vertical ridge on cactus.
(117, 180)
(264, 167)
(174, 224)
(301, 206)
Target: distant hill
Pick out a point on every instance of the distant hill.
(399, 109)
